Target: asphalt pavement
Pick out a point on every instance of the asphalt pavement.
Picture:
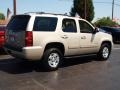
(83, 73)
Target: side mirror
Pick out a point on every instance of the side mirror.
(96, 30)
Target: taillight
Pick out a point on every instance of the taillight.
(28, 39)
(2, 38)
(2, 33)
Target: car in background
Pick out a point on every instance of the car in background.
(2, 35)
(115, 32)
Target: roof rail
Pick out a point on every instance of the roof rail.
(46, 13)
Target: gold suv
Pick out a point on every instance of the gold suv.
(50, 37)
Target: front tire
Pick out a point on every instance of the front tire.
(104, 52)
(52, 59)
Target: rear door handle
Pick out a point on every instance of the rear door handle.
(83, 37)
(64, 37)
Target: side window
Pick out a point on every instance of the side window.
(45, 24)
(69, 25)
(85, 27)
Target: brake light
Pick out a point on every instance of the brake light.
(28, 39)
(2, 38)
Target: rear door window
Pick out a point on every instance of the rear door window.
(18, 22)
(69, 25)
(45, 24)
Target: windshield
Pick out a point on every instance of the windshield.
(18, 22)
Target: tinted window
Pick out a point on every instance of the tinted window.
(106, 29)
(85, 27)
(117, 29)
(45, 24)
(69, 25)
(18, 22)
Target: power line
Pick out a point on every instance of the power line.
(107, 3)
(117, 4)
(117, 0)
(113, 3)
(103, 2)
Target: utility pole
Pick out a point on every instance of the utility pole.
(14, 6)
(85, 9)
(113, 9)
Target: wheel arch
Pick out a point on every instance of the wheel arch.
(58, 45)
(108, 42)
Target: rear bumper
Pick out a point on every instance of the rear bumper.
(30, 53)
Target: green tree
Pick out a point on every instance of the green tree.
(105, 21)
(2, 16)
(79, 8)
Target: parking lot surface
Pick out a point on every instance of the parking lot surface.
(83, 73)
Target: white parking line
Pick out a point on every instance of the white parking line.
(116, 48)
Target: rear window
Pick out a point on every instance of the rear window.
(45, 24)
(18, 22)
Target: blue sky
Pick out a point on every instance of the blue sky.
(58, 6)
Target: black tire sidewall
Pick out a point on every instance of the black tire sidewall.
(100, 54)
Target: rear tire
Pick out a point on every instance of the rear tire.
(104, 52)
(52, 59)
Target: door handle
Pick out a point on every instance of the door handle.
(83, 37)
(64, 37)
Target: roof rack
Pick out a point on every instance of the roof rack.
(46, 13)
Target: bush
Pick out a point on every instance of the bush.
(105, 21)
(2, 16)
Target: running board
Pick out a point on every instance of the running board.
(80, 56)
